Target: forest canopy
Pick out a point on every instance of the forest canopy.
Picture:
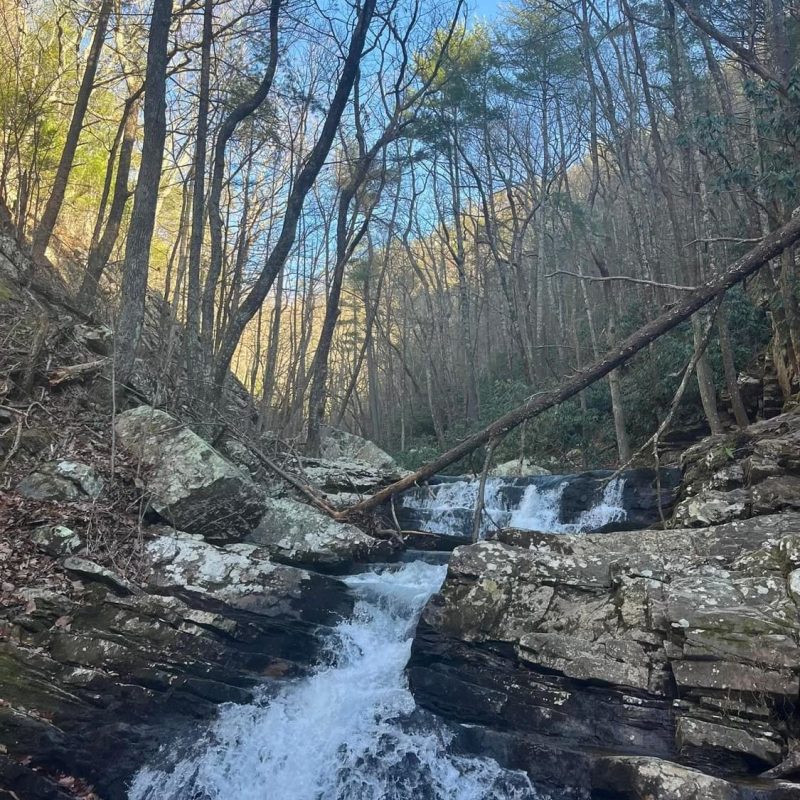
(404, 219)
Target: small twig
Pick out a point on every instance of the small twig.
(394, 513)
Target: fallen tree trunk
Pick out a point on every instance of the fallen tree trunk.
(769, 247)
(75, 372)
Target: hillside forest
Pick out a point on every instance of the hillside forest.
(405, 218)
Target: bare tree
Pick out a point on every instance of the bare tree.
(145, 199)
(302, 185)
(44, 230)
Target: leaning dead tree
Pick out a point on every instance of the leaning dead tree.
(769, 247)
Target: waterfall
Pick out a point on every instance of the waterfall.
(541, 510)
(349, 731)
(532, 504)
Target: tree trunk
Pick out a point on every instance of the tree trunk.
(319, 368)
(145, 199)
(101, 250)
(192, 329)
(729, 366)
(294, 205)
(271, 364)
(243, 110)
(44, 231)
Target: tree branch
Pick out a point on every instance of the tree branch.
(743, 53)
(624, 278)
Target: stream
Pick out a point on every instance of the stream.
(351, 729)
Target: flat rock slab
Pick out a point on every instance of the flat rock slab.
(668, 646)
(296, 533)
(188, 482)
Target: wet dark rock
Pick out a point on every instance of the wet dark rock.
(677, 645)
(646, 496)
(93, 685)
(18, 781)
(421, 540)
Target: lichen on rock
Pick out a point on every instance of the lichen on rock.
(188, 482)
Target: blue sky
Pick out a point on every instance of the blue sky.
(484, 8)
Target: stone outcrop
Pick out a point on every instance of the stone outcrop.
(348, 467)
(742, 474)
(340, 445)
(188, 482)
(295, 533)
(678, 645)
(94, 682)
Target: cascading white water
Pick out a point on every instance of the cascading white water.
(538, 510)
(347, 732)
(442, 506)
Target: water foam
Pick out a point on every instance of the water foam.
(539, 509)
(442, 506)
(347, 732)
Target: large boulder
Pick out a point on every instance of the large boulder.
(296, 533)
(346, 477)
(95, 681)
(337, 444)
(680, 645)
(233, 573)
(742, 474)
(349, 467)
(188, 482)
